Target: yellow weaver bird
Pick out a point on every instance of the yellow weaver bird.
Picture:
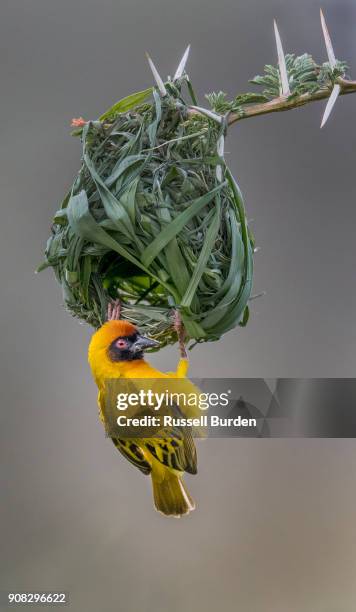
(116, 350)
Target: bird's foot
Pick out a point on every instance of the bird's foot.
(179, 328)
(114, 310)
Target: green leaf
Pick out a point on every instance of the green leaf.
(85, 226)
(113, 207)
(128, 199)
(203, 257)
(232, 284)
(245, 317)
(126, 104)
(192, 92)
(85, 277)
(176, 225)
(249, 98)
(173, 260)
(61, 217)
(122, 167)
(152, 129)
(43, 266)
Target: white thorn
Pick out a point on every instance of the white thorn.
(331, 103)
(258, 295)
(208, 113)
(182, 64)
(220, 152)
(159, 82)
(328, 43)
(285, 91)
(220, 146)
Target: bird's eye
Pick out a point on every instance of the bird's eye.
(121, 344)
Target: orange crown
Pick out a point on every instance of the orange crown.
(108, 332)
(119, 328)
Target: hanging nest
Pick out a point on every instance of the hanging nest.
(150, 221)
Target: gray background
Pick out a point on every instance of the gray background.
(275, 524)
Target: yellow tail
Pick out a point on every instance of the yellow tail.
(170, 495)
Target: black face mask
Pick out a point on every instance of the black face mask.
(128, 348)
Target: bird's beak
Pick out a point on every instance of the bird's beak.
(142, 343)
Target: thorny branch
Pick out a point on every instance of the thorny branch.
(296, 82)
(282, 103)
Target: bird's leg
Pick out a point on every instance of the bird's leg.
(114, 310)
(179, 327)
(117, 310)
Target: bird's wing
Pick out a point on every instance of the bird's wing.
(101, 404)
(133, 453)
(191, 455)
(174, 448)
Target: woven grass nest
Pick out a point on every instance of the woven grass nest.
(150, 221)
